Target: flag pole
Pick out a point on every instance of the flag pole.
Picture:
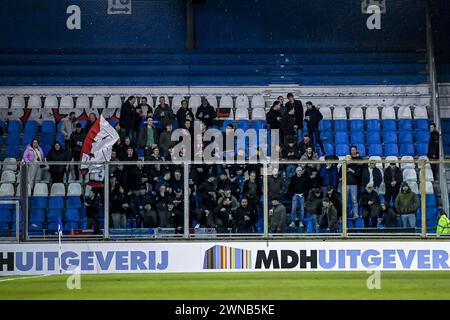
(60, 247)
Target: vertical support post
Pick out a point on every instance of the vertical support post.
(186, 199)
(344, 198)
(265, 199)
(17, 203)
(24, 199)
(435, 103)
(423, 199)
(106, 200)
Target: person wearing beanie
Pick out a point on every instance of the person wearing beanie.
(406, 205)
(370, 204)
(277, 216)
(329, 218)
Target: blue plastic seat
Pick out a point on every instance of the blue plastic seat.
(422, 136)
(73, 202)
(375, 150)
(407, 149)
(340, 125)
(430, 200)
(356, 125)
(373, 125)
(405, 125)
(342, 150)
(361, 149)
(13, 139)
(71, 226)
(256, 124)
(14, 126)
(113, 122)
(54, 215)
(359, 224)
(28, 138)
(56, 202)
(357, 137)
(31, 126)
(39, 202)
(373, 137)
(328, 148)
(422, 149)
(48, 126)
(12, 151)
(389, 137)
(37, 220)
(341, 137)
(72, 215)
(326, 136)
(46, 148)
(421, 124)
(391, 150)
(432, 213)
(389, 125)
(242, 124)
(405, 137)
(325, 125)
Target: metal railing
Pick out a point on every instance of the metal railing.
(267, 166)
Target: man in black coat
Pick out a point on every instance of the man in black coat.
(206, 113)
(370, 203)
(184, 113)
(371, 174)
(127, 120)
(433, 149)
(76, 143)
(312, 118)
(393, 178)
(298, 107)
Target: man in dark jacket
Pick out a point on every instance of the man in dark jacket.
(433, 149)
(370, 203)
(298, 107)
(57, 154)
(393, 178)
(278, 216)
(128, 118)
(252, 190)
(305, 144)
(371, 174)
(76, 143)
(164, 113)
(274, 116)
(148, 137)
(312, 118)
(206, 113)
(184, 113)
(246, 217)
(288, 126)
(353, 180)
(291, 152)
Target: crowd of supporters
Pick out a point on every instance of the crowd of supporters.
(228, 197)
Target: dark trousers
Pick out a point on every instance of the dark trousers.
(314, 134)
(76, 168)
(370, 215)
(57, 177)
(391, 192)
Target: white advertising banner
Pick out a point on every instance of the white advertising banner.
(210, 256)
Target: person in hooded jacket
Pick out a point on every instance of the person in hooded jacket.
(313, 206)
(206, 113)
(57, 154)
(312, 118)
(406, 205)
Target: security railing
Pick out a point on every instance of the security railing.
(95, 207)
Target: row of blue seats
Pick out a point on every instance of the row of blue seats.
(374, 125)
(374, 137)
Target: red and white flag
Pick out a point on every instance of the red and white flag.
(97, 147)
